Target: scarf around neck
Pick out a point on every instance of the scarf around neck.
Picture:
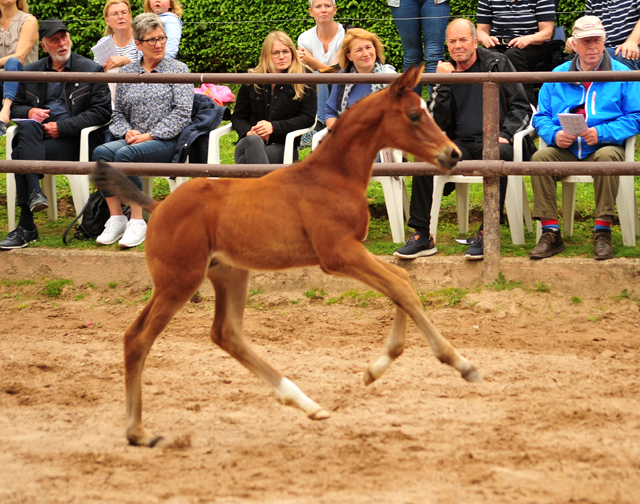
(377, 68)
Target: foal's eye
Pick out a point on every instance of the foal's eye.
(414, 116)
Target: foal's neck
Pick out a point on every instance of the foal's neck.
(353, 148)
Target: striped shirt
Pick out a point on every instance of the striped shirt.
(514, 18)
(619, 18)
(130, 50)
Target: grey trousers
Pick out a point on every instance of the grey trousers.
(545, 205)
(253, 150)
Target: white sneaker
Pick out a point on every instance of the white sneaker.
(134, 234)
(113, 231)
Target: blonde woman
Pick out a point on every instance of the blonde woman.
(170, 13)
(361, 52)
(117, 16)
(19, 35)
(266, 113)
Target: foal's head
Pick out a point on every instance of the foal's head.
(410, 127)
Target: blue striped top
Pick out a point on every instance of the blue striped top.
(619, 18)
(514, 18)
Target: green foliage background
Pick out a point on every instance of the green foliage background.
(226, 35)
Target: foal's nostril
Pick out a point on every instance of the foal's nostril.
(454, 154)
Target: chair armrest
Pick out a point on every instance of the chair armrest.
(214, 142)
(630, 149)
(518, 140)
(84, 140)
(290, 139)
(318, 136)
(9, 136)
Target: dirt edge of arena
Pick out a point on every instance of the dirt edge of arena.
(579, 276)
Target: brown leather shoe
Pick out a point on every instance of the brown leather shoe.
(602, 248)
(549, 245)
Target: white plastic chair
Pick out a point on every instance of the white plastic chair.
(395, 191)
(289, 143)
(79, 184)
(626, 201)
(517, 210)
(515, 197)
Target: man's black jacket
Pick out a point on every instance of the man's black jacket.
(88, 103)
(515, 110)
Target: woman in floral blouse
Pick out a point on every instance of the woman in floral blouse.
(147, 119)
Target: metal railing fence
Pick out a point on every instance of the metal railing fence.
(490, 167)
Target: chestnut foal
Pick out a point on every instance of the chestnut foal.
(312, 213)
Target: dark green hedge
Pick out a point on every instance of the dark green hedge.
(226, 35)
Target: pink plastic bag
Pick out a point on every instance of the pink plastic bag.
(219, 94)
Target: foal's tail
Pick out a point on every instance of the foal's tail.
(108, 179)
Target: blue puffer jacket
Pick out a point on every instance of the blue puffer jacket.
(613, 108)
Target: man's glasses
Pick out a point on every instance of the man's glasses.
(115, 15)
(154, 41)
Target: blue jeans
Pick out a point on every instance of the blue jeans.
(632, 64)
(9, 89)
(323, 96)
(421, 23)
(151, 151)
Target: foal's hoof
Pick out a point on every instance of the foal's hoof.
(368, 377)
(472, 375)
(148, 440)
(319, 415)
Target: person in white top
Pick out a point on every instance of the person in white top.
(318, 47)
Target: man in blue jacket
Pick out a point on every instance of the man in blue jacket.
(611, 111)
(58, 112)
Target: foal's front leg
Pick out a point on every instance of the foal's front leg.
(352, 259)
(231, 287)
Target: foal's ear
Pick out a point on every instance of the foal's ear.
(407, 80)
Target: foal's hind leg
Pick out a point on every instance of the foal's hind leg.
(231, 286)
(353, 260)
(138, 339)
(392, 350)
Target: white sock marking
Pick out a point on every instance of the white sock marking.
(290, 394)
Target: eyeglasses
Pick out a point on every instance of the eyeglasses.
(277, 54)
(115, 15)
(154, 41)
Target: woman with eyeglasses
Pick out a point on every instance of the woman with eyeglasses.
(147, 119)
(117, 16)
(265, 113)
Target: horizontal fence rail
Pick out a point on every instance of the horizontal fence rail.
(469, 168)
(318, 78)
(489, 168)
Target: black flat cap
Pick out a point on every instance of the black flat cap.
(50, 27)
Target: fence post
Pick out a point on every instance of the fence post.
(491, 211)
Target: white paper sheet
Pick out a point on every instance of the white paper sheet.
(104, 50)
(574, 124)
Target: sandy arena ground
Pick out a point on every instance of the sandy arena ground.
(556, 419)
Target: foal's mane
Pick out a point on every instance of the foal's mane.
(372, 107)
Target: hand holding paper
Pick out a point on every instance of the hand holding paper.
(574, 124)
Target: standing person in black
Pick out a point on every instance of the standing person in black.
(457, 109)
(59, 111)
(264, 114)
